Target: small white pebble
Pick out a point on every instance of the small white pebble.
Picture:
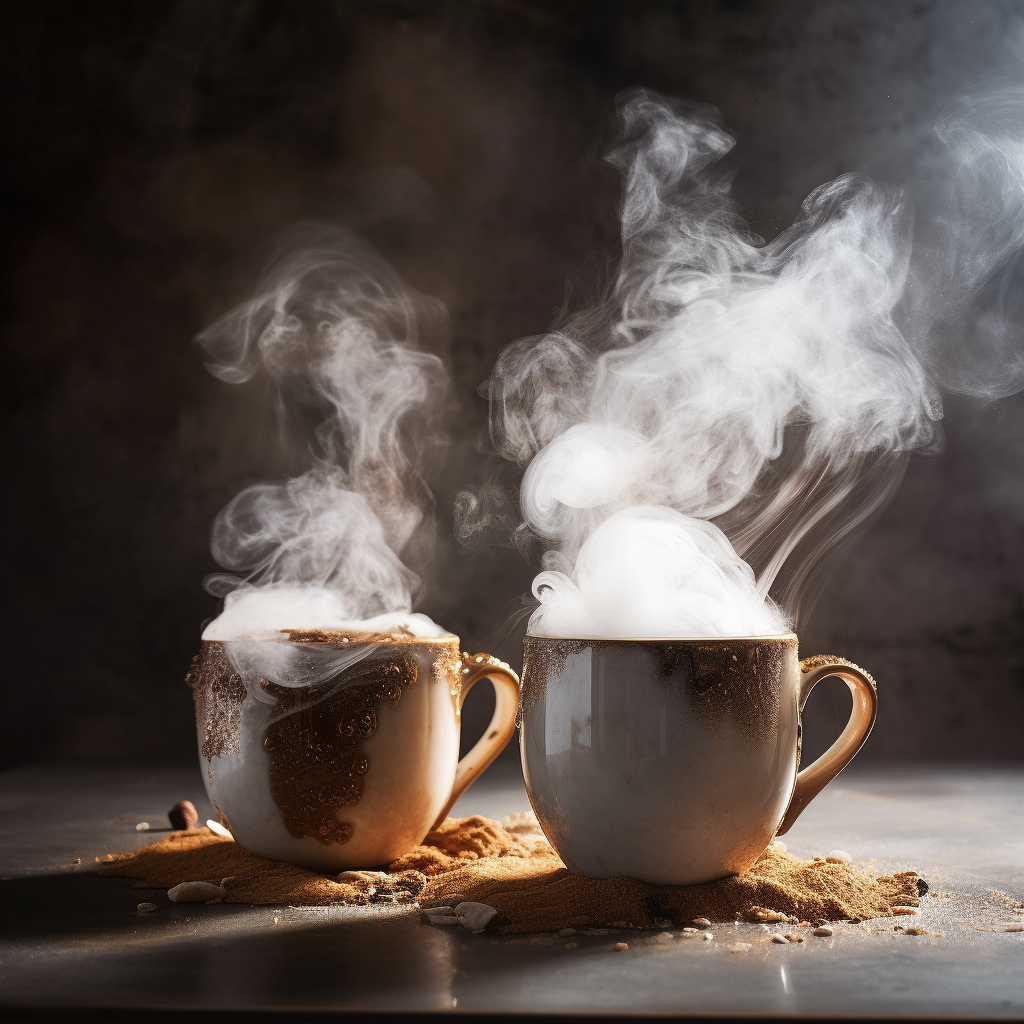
(195, 892)
(146, 908)
(474, 916)
(691, 931)
(143, 826)
(838, 857)
(218, 829)
(621, 945)
(823, 932)
(780, 939)
(780, 846)
(444, 916)
(666, 935)
(794, 937)
(708, 936)
(567, 931)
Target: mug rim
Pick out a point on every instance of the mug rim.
(343, 638)
(787, 634)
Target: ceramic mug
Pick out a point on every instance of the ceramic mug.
(674, 761)
(352, 770)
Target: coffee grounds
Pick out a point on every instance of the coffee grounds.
(476, 859)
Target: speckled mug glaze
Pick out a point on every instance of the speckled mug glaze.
(674, 761)
(353, 775)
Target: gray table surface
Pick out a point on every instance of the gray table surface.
(71, 938)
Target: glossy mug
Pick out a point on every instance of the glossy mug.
(674, 761)
(353, 771)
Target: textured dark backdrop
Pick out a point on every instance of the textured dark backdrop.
(152, 155)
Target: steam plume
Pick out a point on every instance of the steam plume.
(724, 424)
(334, 330)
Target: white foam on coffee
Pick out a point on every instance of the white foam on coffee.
(265, 613)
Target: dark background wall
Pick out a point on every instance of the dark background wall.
(154, 153)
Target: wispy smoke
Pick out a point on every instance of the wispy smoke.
(334, 330)
(702, 447)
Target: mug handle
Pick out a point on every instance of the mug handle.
(815, 777)
(503, 722)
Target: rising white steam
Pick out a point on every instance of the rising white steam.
(727, 420)
(334, 330)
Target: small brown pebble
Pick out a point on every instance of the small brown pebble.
(739, 947)
(1014, 928)
(904, 911)
(763, 914)
(702, 922)
(230, 880)
(567, 931)
(780, 939)
(570, 945)
(621, 945)
(146, 908)
(183, 816)
(77, 860)
(793, 937)
(823, 932)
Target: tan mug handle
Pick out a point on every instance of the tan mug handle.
(815, 777)
(503, 722)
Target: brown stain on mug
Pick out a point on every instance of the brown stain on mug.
(316, 759)
(219, 692)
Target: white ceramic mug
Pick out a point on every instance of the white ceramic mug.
(354, 770)
(674, 761)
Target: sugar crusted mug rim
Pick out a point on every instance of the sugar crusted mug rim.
(340, 636)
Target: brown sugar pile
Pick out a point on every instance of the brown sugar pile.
(515, 871)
